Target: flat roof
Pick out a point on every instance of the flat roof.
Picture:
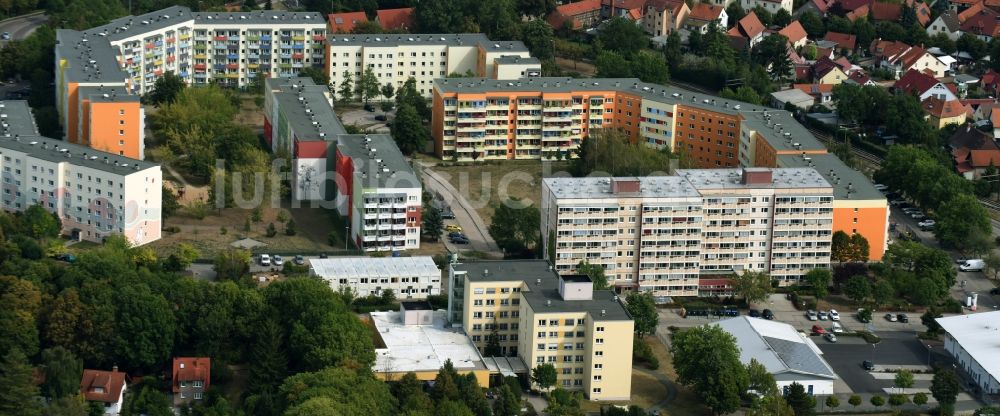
(847, 183)
(130, 26)
(422, 347)
(447, 39)
(307, 108)
(518, 59)
(90, 59)
(541, 289)
(108, 94)
(352, 267)
(379, 161)
(416, 305)
(600, 187)
(978, 334)
(781, 130)
(16, 119)
(781, 178)
(576, 278)
(778, 346)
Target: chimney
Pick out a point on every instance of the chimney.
(114, 368)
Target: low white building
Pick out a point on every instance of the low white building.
(787, 354)
(409, 277)
(974, 341)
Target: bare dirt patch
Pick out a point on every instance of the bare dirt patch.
(486, 184)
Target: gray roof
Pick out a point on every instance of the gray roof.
(517, 59)
(115, 94)
(20, 120)
(461, 39)
(303, 102)
(777, 346)
(847, 183)
(542, 288)
(781, 178)
(130, 26)
(90, 59)
(598, 187)
(378, 160)
(270, 17)
(950, 20)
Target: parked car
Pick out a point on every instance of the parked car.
(918, 215)
(903, 318)
(369, 108)
(455, 234)
(837, 328)
(380, 117)
(300, 260)
(823, 315)
(811, 315)
(818, 330)
(452, 227)
(830, 336)
(447, 215)
(995, 291)
(753, 313)
(926, 224)
(834, 315)
(767, 314)
(897, 202)
(880, 187)
(5, 35)
(265, 260)
(66, 257)
(868, 365)
(278, 261)
(890, 317)
(910, 210)
(972, 265)
(460, 240)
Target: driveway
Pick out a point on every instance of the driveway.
(466, 217)
(362, 118)
(897, 349)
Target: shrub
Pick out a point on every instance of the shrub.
(290, 227)
(855, 400)
(271, 230)
(897, 399)
(223, 231)
(920, 399)
(877, 401)
(643, 353)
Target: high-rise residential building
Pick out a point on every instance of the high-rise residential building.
(541, 317)
(679, 235)
(396, 58)
(478, 119)
(95, 194)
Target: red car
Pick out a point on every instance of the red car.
(818, 330)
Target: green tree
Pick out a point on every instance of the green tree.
(858, 288)
(268, 360)
(409, 94)
(845, 248)
(595, 272)
(754, 286)
(544, 375)
(769, 405)
(409, 391)
(39, 223)
(165, 89)
(62, 373)
(22, 302)
(17, 386)
(904, 379)
(368, 86)
(408, 130)
(707, 359)
(642, 308)
(70, 406)
(832, 402)
(610, 152)
(507, 403)
(802, 403)
(929, 319)
(819, 281)
(877, 401)
(318, 76)
(623, 36)
(743, 93)
(854, 400)
(538, 36)
(388, 91)
(961, 217)
(290, 227)
(346, 88)
(920, 399)
(945, 386)
(612, 65)
(896, 400)
(650, 67)
(772, 53)
(813, 24)
(515, 226)
(761, 380)
(144, 327)
(232, 264)
(337, 391)
(977, 48)
(452, 408)
(882, 292)
(499, 19)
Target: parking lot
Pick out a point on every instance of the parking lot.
(896, 349)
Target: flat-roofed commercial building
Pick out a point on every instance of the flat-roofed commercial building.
(408, 277)
(665, 234)
(95, 194)
(543, 317)
(423, 57)
(971, 339)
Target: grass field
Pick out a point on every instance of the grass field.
(686, 402)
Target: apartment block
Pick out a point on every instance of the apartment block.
(95, 194)
(668, 234)
(544, 318)
(478, 119)
(413, 277)
(396, 58)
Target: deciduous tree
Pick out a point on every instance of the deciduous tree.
(515, 226)
(165, 89)
(62, 373)
(754, 286)
(595, 272)
(858, 288)
(642, 308)
(819, 281)
(544, 375)
(408, 130)
(945, 386)
(707, 359)
(802, 403)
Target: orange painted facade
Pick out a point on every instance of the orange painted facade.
(764, 155)
(115, 127)
(710, 137)
(72, 112)
(869, 222)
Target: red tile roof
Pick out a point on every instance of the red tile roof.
(823, 6)
(860, 77)
(858, 13)
(984, 24)
(344, 22)
(191, 369)
(908, 58)
(635, 14)
(102, 386)
(566, 12)
(943, 109)
(814, 89)
(794, 31)
(971, 11)
(915, 82)
(851, 5)
(843, 40)
(392, 19)
(705, 12)
(749, 26)
(886, 11)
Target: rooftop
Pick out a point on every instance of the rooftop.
(847, 183)
(130, 26)
(109, 94)
(102, 386)
(307, 107)
(598, 187)
(505, 270)
(348, 267)
(779, 347)
(422, 347)
(977, 333)
(781, 178)
(19, 119)
(89, 59)
(517, 59)
(461, 39)
(378, 160)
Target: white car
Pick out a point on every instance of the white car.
(918, 215)
(265, 260)
(837, 328)
(278, 261)
(927, 223)
(834, 315)
(811, 315)
(823, 315)
(880, 187)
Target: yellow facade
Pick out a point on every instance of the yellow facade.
(493, 303)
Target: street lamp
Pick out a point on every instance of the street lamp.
(928, 355)
(347, 235)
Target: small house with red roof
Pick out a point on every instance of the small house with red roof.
(190, 379)
(663, 17)
(795, 33)
(702, 14)
(822, 93)
(973, 151)
(984, 24)
(900, 57)
(827, 71)
(576, 16)
(629, 9)
(396, 19)
(104, 387)
(941, 113)
(990, 81)
(771, 6)
(860, 78)
(923, 86)
(747, 33)
(859, 13)
(820, 7)
(845, 42)
(946, 23)
(344, 22)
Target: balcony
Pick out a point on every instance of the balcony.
(298, 56)
(233, 75)
(234, 38)
(298, 38)
(185, 36)
(298, 47)
(233, 56)
(253, 66)
(200, 47)
(219, 38)
(171, 40)
(232, 66)
(220, 46)
(253, 46)
(253, 56)
(318, 38)
(199, 67)
(199, 56)
(265, 38)
(201, 37)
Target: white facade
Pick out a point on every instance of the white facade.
(396, 58)
(972, 340)
(409, 277)
(771, 6)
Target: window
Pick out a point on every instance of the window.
(599, 341)
(597, 377)
(541, 322)
(599, 329)
(540, 347)
(598, 353)
(569, 322)
(121, 132)
(596, 390)
(598, 366)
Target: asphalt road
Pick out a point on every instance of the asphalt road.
(466, 217)
(22, 26)
(896, 348)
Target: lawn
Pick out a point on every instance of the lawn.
(686, 402)
(484, 184)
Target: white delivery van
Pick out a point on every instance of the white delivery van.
(972, 265)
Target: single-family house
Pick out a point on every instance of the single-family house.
(845, 42)
(747, 33)
(771, 6)
(946, 23)
(821, 93)
(973, 151)
(662, 17)
(579, 15)
(900, 57)
(104, 387)
(859, 77)
(629, 9)
(941, 113)
(984, 25)
(795, 33)
(344, 22)
(190, 379)
(403, 19)
(793, 96)
(859, 13)
(923, 86)
(959, 6)
(892, 12)
(990, 82)
(702, 14)
(827, 71)
(820, 7)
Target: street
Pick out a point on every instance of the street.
(21, 26)
(466, 217)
